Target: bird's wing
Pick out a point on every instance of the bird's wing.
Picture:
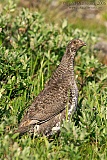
(51, 101)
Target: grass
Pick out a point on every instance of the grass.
(30, 50)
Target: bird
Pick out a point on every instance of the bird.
(57, 101)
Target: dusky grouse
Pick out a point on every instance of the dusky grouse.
(57, 101)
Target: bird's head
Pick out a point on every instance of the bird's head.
(74, 45)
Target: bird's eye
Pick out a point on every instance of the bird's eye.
(74, 42)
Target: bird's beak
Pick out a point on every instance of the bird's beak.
(84, 44)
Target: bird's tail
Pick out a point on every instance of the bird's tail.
(27, 126)
(22, 130)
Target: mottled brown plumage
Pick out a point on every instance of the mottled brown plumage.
(48, 109)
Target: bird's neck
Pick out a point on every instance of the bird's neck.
(66, 67)
(71, 67)
(68, 63)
